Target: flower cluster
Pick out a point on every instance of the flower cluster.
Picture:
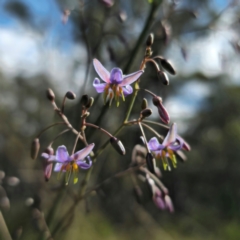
(116, 85)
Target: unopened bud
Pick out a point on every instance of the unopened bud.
(150, 162)
(168, 203)
(150, 40)
(146, 113)
(49, 151)
(167, 66)
(117, 145)
(90, 102)
(35, 148)
(162, 76)
(144, 104)
(70, 95)
(84, 100)
(50, 95)
(164, 116)
(48, 171)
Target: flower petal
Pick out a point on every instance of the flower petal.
(48, 171)
(62, 154)
(116, 76)
(154, 145)
(169, 204)
(57, 167)
(80, 155)
(127, 90)
(45, 155)
(99, 86)
(185, 145)
(130, 78)
(101, 70)
(48, 157)
(84, 164)
(171, 136)
(175, 147)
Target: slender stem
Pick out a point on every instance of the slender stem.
(84, 194)
(155, 123)
(107, 142)
(152, 130)
(131, 105)
(97, 127)
(63, 104)
(160, 184)
(52, 125)
(148, 23)
(146, 90)
(154, 63)
(144, 136)
(60, 134)
(75, 143)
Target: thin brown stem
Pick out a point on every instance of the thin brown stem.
(99, 128)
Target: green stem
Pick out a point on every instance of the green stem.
(142, 36)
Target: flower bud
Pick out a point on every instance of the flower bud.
(84, 100)
(167, 66)
(117, 145)
(144, 103)
(49, 151)
(164, 116)
(48, 171)
(150, 162)
(35, 148)
(162, 76)
(168, 203)
(146, 113)
(150, 40)
(70, 95)
(90, 102)
(50, 95)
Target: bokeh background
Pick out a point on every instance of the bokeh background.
(41, 46)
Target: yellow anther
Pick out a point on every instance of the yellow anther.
(75, 166)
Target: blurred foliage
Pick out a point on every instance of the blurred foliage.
(204, 190)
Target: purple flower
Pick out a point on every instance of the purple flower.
(70, 164)
(171, 143)
(116, 84)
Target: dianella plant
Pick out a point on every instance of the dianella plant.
(150, 159)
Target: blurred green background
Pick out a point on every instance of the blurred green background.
(41, 47)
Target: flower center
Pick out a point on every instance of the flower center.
(70, 168)
(164, 155)
(111, 91)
